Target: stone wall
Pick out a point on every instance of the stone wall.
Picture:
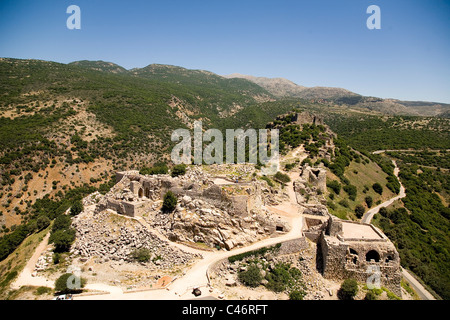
(359, 258)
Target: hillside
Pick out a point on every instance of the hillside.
(283, 88)
(65, 125)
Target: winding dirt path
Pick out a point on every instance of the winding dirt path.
(367, 218)
(25, 277)
(369, 214)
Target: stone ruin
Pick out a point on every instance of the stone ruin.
(218, 215)
(350, 249)
(311, 182)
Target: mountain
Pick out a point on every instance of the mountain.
(99, 66)
(283, 88)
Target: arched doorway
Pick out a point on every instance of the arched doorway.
(373, 255)
(140, 193)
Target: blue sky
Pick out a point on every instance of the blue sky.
(313, 43)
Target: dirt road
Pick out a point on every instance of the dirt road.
(25, 277)
(369, 214)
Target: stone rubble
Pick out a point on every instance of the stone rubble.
(107, 236)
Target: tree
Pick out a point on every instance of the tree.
(76, 208)
(351, 191)
(169, 202)
(359, 210)
(377, 188)
(62, 239)
(178, 170)
(251, 277)
(348, 290)
(335, 186)
(61, 222)
(369, 201)
(69, 283)
(42, 222)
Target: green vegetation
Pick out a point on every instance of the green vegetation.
(257, 252)
(76, 208)
(178, 170)
(378, 188)
(268, 180)
(420, 230)
(372, 132)
(335, 186)
(159, 168)
(359, 211)
(69, 283)
(291, 135)
(42, 290)
(369, 201)
(169, 202)
(51, 209)
(251, 277)
(374, 294)
(348, 289)
(140, 255)
(436, 159)
(281, 278)
(281, 177)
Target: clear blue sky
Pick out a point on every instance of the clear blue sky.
(313, 43)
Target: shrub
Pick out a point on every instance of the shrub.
(351, 191)
(140, 255)
(279, 278)
(69, 283)
(76, 208)
(268, 180)
(256, 252)
(281, 177)
(178, 170)
(289, 166)
(369, 201)
(42, 222)
(42, 290)
(296, 295)
(348, 290)
(371, 295)
(335, 186)
(344, 203)
(377, 188)
(56, 257)
(61, 222)
(359, 210)
(62, 239)
(169, 202)
(250, 277)
(159, 168)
